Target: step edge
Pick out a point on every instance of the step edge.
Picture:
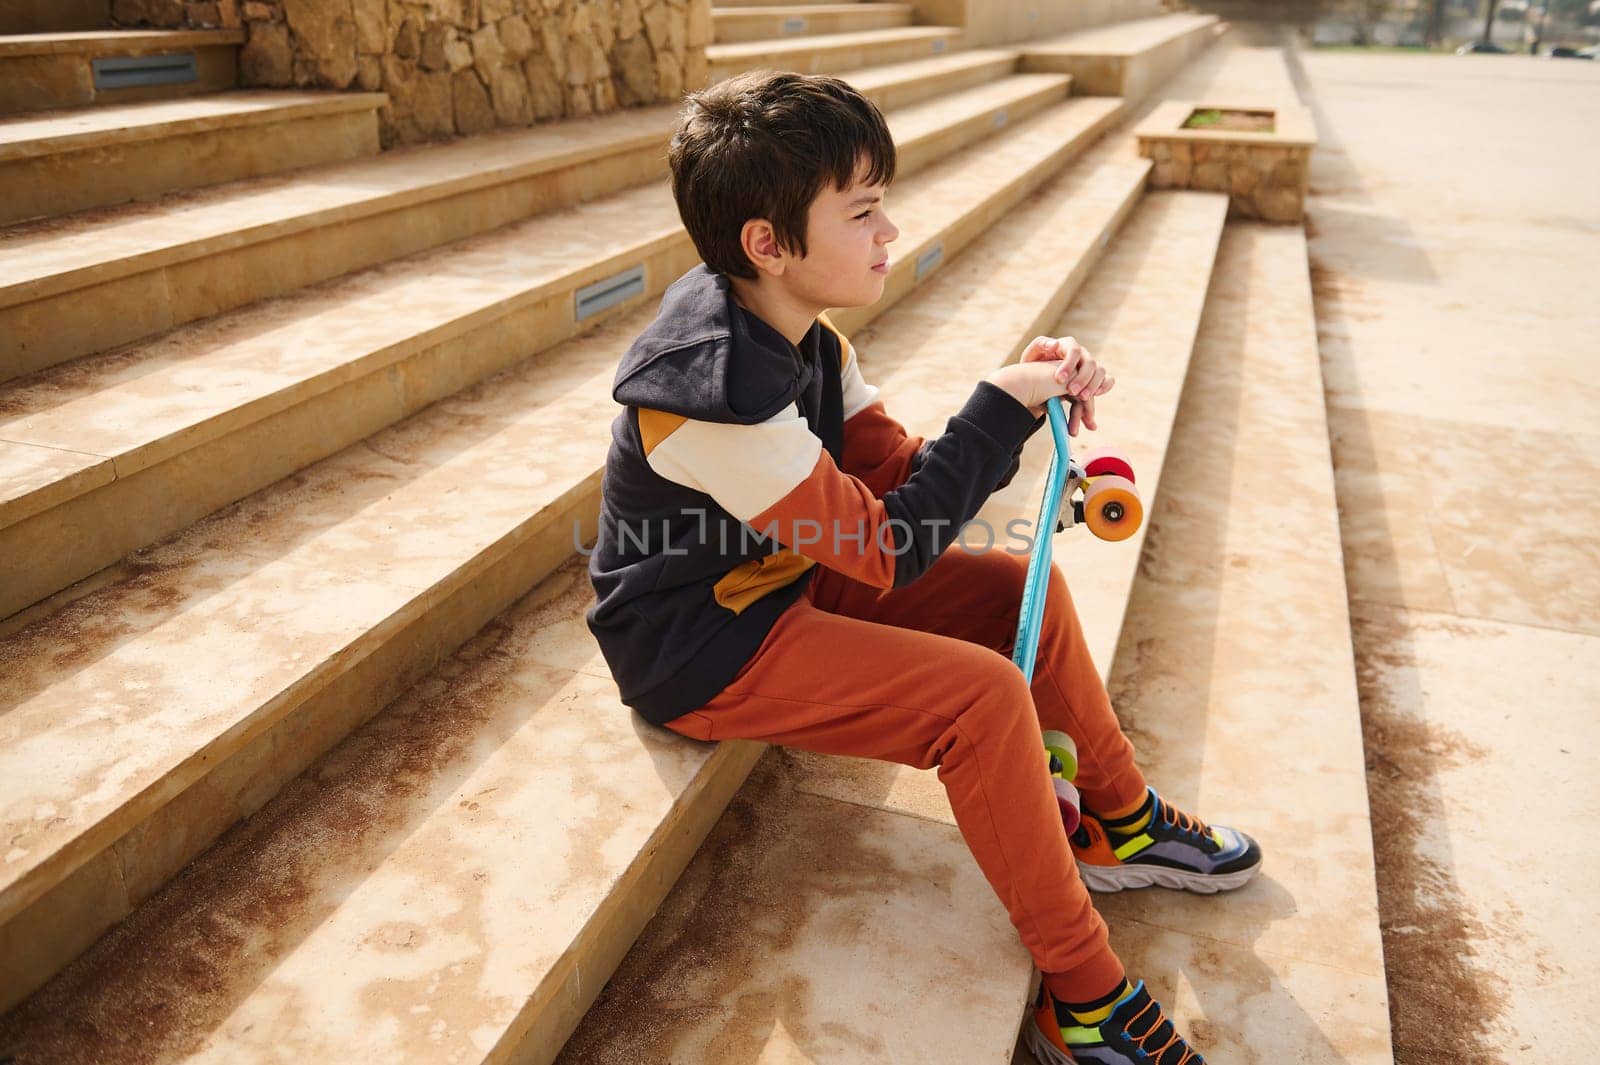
(111, 42)
(40, 147)
(894, 75)
(721, 54)
(1068, 50)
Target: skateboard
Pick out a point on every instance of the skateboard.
(1101, 495)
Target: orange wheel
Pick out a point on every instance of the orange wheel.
(1111, 508)
(1104, 460)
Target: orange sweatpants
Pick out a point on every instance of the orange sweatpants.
(922, 675)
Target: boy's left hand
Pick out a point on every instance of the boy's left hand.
(1085, 378)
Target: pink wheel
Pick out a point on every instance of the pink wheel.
(1067, 799)
(1104, 460)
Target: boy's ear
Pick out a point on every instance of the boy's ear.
(761, 246)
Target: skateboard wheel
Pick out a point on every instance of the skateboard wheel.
(1108, 460)
(1111, 508)
(1063, 754)
(1067, 799)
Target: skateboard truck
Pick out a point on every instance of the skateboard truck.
(1100, 494)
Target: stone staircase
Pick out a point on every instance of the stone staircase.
(305, 749)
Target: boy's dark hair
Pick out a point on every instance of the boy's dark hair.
(760, 145)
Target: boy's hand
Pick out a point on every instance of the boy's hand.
(1080, 377)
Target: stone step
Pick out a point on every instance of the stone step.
(1126, 59)
(56, 162)
(110, 453)
(141, 269)
(850, 862)
(1236, 677)
(46, 71)
(227, 658)
(832, 53)
(739, 24)
(898, 84)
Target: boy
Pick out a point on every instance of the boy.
(846, 626)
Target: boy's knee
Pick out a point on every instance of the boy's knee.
(1004, 700)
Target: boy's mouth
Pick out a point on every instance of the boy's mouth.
(881, 267)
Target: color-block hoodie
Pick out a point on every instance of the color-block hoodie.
(741, 462)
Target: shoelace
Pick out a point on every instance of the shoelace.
(1185, 1056)
(1171, 815)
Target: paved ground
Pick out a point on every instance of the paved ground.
(1455, 247)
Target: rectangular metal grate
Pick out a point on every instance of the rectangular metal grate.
(929, 260)
(129, 71)
(797, 24)
(608, 292)
(1000, 119)
(938, 45)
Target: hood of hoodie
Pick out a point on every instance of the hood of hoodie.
(709, 359)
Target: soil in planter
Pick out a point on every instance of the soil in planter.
(1245, 121)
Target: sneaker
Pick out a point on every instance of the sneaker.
(1172, 849)
(1136, 1031)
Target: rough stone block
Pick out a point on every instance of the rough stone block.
(372, 27)
(266, 58)
(516, 38)
(488, 54)
(635, 69)
(1210, 175)
(544, 86)
(510, 95)
(369, 73)
(473, 111)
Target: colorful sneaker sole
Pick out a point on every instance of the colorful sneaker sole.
(1125, 877)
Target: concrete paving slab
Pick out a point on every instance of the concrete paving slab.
(1453, 221)
(1461, 862)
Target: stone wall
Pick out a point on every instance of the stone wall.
(461, 66)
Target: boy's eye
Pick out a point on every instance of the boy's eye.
(865, 213)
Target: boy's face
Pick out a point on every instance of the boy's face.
(847, 255)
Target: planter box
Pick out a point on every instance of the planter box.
(1265, 174)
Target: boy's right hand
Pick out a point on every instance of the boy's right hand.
(1055, 368)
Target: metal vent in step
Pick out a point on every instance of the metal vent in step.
(129, 71)
(939, 45)
(797, 24)
(1000, 119)
(929, 260)
(608, 292)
